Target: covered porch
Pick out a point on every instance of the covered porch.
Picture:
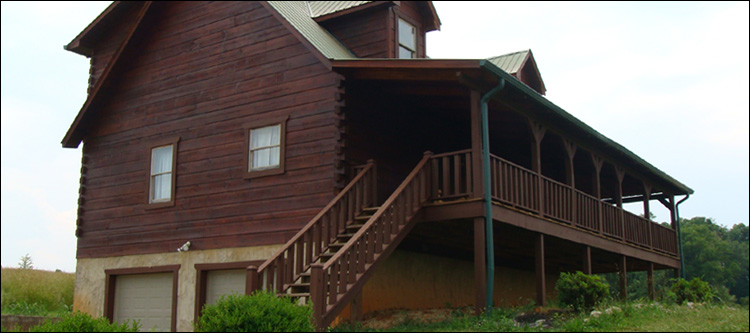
(557, 186)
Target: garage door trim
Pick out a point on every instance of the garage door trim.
(111, 280)
(202, 270)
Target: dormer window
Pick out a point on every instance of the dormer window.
(407, 40)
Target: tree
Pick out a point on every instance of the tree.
(26, 262)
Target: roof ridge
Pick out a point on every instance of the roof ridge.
(510, 54)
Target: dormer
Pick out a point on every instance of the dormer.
(378, 29)
(523, 67)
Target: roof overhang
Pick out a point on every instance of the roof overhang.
(482, 75)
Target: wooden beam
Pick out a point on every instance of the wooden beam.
(587, 260)
(623, 278)
(647, 213)
(650, 281)
(480, 267)
(356, 308)
(537, 132)
(541, 283)
(476, 144)
(570, 178)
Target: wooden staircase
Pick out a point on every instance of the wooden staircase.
(332, 257)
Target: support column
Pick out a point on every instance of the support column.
(623, 278)
(356, 308)
(570, 178)
(587, 260)
(541, 282)
(620, 176)
(537, 132)
(598, 162)
(476, 145)
(480, 273)
(647, 213)
(650, 281)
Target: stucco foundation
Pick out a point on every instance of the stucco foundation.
(412, 280)
(90, 276)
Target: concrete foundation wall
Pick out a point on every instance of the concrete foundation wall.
(420, 281)
(90, 276)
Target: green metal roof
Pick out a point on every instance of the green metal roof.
(607, 142)
(511, 62)
(299, 15)
(320, 8)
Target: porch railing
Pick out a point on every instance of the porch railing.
(524, 189)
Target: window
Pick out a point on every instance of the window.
(162, 163)
(407, 40)
(264, 143)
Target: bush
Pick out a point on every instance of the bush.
(82, 322)
(683, 291)
(581, 291)
(260, 312)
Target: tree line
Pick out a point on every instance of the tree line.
(712, 252)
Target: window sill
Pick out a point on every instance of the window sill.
(263, 173)
(157, 205)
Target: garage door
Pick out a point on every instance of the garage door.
(145, 297)
(224, 282)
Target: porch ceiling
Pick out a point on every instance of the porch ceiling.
(442, 79)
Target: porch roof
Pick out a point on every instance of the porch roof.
(483, 75)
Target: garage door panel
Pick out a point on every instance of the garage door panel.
(224, 282)
(144, 297)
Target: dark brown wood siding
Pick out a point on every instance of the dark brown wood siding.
(410, 11)
(204, 70)
(363, 33)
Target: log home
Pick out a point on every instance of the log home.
(311, 148)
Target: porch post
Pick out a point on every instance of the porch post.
(570, 178)
(587, 260)
(356, 308)
(598, 162)
(541, 283)
(620, 176)
(476, 145)
(480, 273)
(623, 278)
(650, 281)
(647, 213)
(537, 132)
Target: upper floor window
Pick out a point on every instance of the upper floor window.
(265, 147)
(407, 40)
(162, 163)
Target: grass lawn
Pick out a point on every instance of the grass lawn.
(630, 317)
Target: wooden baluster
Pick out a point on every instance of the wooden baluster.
(446, 174)
(308, 247)
(280, 274)
(435, 178)
(299, 257)
(334, 283)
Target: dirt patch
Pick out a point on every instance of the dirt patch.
(386, 319)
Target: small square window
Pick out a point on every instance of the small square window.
(264, 147)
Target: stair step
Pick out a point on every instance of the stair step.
(304, 277)
(299, 288)
(370, 210)
(346, 236)
(354, 227)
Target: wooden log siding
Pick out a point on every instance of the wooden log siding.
(198, 79)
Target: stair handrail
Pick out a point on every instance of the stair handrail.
(319, 282)
(369, 167)
(385, 206)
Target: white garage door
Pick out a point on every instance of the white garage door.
(224, 282)
(145, 297)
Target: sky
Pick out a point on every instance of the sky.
(667, 80)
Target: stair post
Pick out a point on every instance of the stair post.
(317, 294)
(252, 282)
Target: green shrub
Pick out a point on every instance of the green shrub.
(82, 322)
(696, 290)
(260, 312)
(581, 291)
